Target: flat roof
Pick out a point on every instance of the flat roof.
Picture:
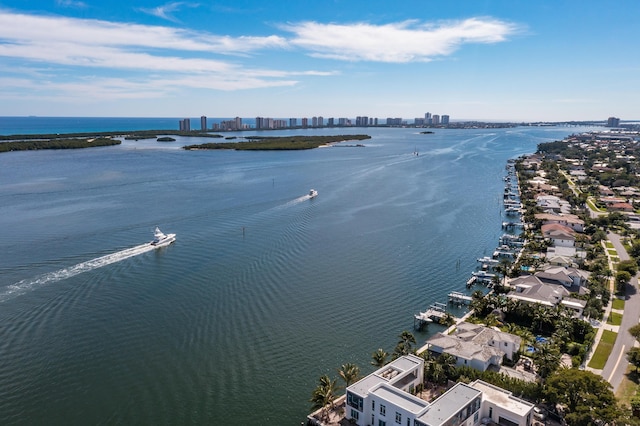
(389, 373)
(449, 404)
(503, 398)
(401, 399)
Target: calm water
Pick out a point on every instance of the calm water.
(264, 289)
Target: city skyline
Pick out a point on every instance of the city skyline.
(485, 61)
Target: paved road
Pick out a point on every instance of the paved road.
(617, 364)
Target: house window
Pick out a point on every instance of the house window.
(354, 414)
(382, 423)
(491, 412)
(373, 405)
(383, 410)
(398, 418)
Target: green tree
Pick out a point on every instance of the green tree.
(588, 398)
(631, 266)
(323, 396)
(622, 279)
(405, 345)
(547, 358)
(350, 373)
(633, 356)
(379, 358)
(635, 331)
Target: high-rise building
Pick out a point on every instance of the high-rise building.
(445, 120)
(362, 121)
(314, 121)
(320, 121)
(305, 122)
(613, 122)
(203, 123)
(435, 118)
(330, 122)
(238, 122)
(418, 121)
(185, 125)
(293, 122)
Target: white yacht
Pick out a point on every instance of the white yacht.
(160, 239)
(313, 193)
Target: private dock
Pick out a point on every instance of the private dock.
(458, 298)
(435, 313)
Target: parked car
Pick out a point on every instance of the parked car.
(540, 413)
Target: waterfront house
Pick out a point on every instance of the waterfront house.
(560, 235)
(570, 220)
(475, 346)
(531, 289)
(387, 394)
(572, 278)
(383, 398)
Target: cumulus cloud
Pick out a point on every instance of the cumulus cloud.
(408, 41)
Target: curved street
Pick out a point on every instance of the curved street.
(617, 364)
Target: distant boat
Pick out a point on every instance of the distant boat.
(313, 193)
(160, 239)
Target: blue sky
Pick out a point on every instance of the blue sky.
(479, 59)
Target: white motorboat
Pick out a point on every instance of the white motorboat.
(161, 239)
(313, 193)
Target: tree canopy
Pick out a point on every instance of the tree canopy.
(586, 397)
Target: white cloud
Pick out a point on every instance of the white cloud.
(71, 3)
(408, 41)
(22, 28)
(69, 56)
(178, 56)
(165, 11)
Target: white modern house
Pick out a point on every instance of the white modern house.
(382, 399)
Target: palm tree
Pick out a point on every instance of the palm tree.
(547, 358)
(437, 373)
(324, 395)
(379, 358)
(405, 345)
(349, 373)
(448, 363)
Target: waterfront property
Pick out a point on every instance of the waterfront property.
(385, 397)
(475, 346)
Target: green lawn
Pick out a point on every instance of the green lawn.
(609, 244)
(603, 351)
(614, 318)
(593, 207)
(617, 304)
(612, 252)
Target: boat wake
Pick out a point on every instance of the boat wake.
(24, 286)
(298, 200)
